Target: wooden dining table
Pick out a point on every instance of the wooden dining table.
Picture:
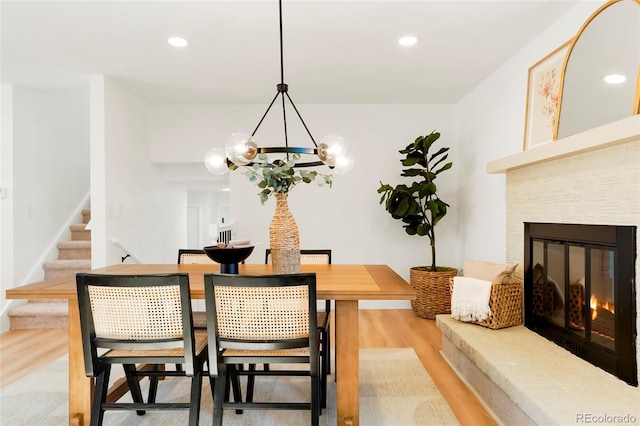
(346, 284)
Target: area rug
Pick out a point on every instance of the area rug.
(394, 390)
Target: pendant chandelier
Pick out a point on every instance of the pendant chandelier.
(241, 148)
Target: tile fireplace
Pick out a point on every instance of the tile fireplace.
(580, 293)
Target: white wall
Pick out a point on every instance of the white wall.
(490, 125)
(144, 213)
(45, 170)
(6, 203)
(50, 136)
(346, 218)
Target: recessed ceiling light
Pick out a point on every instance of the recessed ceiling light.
(177, 42)
(614, 78)
(225, 189)
(407, 41)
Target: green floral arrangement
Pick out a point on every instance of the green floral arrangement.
(280, 176)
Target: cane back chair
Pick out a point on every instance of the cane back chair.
(191, 256)
(139, 319)
(268, 319)
(196, 256)
(319, 257)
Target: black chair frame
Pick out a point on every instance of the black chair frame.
(324, 325)
(227, 366)
(99, 366)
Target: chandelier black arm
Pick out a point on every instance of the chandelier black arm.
(265, 113)
(305, 164)
(288, 150)
(284, 121)
(300, 117)
(310, 164)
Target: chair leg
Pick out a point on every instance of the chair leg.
(323, 385)
(234, 378)
(326, 366)
(134, 385)
(212, 384)
(327, 339)
(100, 396)
(221, 384)
(315, 401)
(196, 396)
(251, 380)
(153, 387)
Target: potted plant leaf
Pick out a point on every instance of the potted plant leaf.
(420, 209)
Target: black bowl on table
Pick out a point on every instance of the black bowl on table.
(228, 257)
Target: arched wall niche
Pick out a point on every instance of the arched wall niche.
(607, 43)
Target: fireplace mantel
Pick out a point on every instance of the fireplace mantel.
(616, 133)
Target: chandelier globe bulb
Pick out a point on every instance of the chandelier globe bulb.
(241, 149)
(331, 148)
(344, 164)
(215, 161)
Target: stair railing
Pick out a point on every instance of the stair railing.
(225, 232)
(127, 254)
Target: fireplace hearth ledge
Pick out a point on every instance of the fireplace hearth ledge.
(523, 378)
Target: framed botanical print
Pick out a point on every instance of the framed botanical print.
(543, 94)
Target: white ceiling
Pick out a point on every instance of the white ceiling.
(334, 51)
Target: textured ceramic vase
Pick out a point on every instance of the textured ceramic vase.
(284, 239)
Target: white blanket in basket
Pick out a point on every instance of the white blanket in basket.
(470, 299)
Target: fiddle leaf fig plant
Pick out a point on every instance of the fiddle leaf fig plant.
(280, 176)
(417, 204)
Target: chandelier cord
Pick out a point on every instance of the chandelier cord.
(282, 91)
(281, 47)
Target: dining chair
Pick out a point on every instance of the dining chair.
(140, 319)
(195, 256)
(318, 257)
(262, 319)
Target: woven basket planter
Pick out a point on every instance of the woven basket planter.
(284, 239)
(433, 295)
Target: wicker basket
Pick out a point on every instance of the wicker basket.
(505, 304)
(433, 294)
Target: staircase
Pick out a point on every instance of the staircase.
(73, 256)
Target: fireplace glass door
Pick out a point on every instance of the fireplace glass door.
(573, 288)
(580, 291)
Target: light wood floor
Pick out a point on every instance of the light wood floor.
(21, 351)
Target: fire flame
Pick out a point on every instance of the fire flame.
(595, 303)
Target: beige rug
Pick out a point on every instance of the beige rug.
(394, 390)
